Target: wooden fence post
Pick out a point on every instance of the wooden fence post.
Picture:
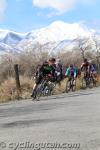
(17, 77)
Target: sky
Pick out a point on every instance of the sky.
(27, 15)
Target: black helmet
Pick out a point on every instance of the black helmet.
(71, 65)
(52, 59)
(85, 59)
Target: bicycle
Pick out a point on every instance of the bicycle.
(94, 78)
(88, 80)
(45, 88)
(70, 84)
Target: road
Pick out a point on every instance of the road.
(72, 118)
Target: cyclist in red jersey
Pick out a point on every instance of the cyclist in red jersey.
(85, 67)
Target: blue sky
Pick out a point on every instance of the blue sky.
(26, 15)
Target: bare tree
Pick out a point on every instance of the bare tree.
(83, 45)
(96, 43)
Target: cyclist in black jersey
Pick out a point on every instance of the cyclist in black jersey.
(46, 69)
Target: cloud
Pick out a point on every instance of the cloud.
(59, 7)
(2, 8)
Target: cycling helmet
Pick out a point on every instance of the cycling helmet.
(71, 65)
(85, 59)
(52, 59)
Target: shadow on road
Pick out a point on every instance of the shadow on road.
(67, 95)
(27, 123)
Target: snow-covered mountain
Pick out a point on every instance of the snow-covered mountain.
(54, 37)
(59, 31)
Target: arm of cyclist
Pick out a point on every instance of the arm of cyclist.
(75, 73)
(71, 72)
(67, 73)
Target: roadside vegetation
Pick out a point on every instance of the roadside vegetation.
(27, 65)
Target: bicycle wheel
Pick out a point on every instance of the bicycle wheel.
(91, 82)
(39, 91)
(68, 86)
(73, 85)
(51, 87)
(46, 91)
(94, 81)
(37, 94)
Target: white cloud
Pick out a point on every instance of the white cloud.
(60, 6)
(2, 8)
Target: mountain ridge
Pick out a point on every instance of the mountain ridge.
(51, 35)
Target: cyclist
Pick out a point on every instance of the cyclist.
(58, 70)
(93, 69)
(86, 67)
(71, 72)
(47, 69)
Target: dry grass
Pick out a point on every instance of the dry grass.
(8, 91)
(60, 88)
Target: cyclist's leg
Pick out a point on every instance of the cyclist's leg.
(73, 84)
(87, 76)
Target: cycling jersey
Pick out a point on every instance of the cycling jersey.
(92, 67)
(47, 70)
(85, 66)
(58, 70)
(71, 72)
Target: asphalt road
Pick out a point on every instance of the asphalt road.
(66, 120)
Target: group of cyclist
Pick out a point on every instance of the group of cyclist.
(54, 70)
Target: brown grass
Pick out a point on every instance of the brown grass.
(60, 88)
(8, 91)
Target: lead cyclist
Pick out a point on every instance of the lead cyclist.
(46, 69)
